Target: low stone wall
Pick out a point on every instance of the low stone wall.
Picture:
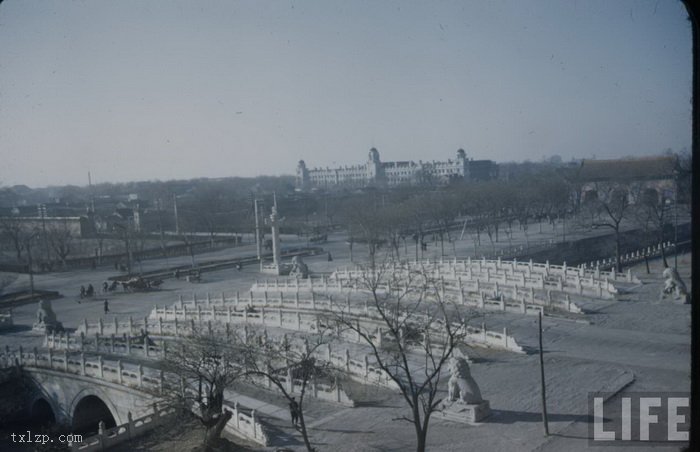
(107, 438)
(244, 425)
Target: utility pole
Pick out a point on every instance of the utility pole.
(31, 270)
(545, 422)
(675, 230)
(257, 230)
(42, 214)
(177, 223)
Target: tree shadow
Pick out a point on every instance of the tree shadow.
(340, 430)
(375, 404)
(511, 417)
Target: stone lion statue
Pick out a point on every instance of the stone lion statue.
(299, 268)
(674, 284)
(46, 318)
(461, 386)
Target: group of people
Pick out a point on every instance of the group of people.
(89, 292)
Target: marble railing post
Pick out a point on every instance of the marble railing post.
(82, 363)
(100, 369)
(129, 424)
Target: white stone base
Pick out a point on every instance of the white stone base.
(465, 413)
(47, 328)
(274, 269)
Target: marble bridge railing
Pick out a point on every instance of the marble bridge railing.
(150, 381)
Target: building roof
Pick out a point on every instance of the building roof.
(649, 168)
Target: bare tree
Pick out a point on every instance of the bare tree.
(610, 204)
(652, 210)
(289, 363)
(201, 367)
(422, 328)
(60, 239)
(14, 232)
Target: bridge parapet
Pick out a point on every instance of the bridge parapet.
(246, 425)
(133, 428)
(132, 375)
(144, 380)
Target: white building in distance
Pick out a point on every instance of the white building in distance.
(374, 172)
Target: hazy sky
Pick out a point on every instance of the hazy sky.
(134, 90)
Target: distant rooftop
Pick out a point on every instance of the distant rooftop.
(628, 169)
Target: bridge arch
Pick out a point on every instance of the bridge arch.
(89, 407)
(42, 412)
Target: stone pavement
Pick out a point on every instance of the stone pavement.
(636, 335)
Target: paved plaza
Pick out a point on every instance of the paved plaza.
(632, 343)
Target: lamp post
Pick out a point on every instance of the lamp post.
(28, 245)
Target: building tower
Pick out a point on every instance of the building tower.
(302, 179)
(374, 167)
(463, 164)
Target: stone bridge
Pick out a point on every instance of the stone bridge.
(79, 392)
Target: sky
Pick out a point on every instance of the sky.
(146, 90)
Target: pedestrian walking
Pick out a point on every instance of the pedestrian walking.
(106, 306)
(294, 411)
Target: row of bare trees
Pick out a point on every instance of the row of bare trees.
(53, 241)
(411, 354)
(487, 208)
